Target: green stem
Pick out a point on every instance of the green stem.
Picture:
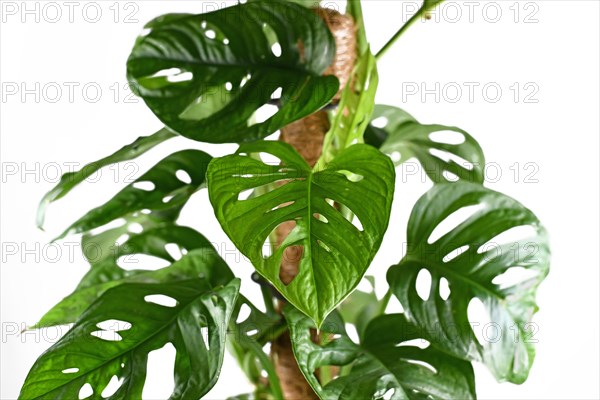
(385, 301)
(268, 299)
(404, 27)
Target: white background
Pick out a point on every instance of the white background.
(556, 52)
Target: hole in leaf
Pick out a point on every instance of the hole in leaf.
(352, 177)
(141, 261)
(243, 314)
(478, 318)
(113, 385)
(324, 246)
(277, 93)
(252, 332)
(513, 276)
(510, 236)
(453, 220)
(455, 253)
(357, 224)
(244, 195)
(420, 343)
(276, 49)
(225, 41)
(320, 217)
(167, 199)
(265, 112)
(210, 34)
(182, 77)
(70, 371)
(229, 86)
(159, 385)
(109, 329)
(450, 176)
(183, 176)
(449, 137)
(396, 156)
(423, 284)
(122, 239)
(174, 251)
(423, 364)
(352, 333)
(380, 122)
(389, 394)
(144, 185)
(448, 157)
(444, 289)
(161, 300)
(85, 391)
(204, 336)
(135, 227)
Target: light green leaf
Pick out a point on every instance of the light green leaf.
(354, 111)
(387, 362)
(201, 260)
(446, 153)
(335, 253)
(472, 259)
(71, 179)
(206, 75)
(159, 190)
(89, 354)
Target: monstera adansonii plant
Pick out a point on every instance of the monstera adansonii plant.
(309, 209)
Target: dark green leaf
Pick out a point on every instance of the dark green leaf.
(201, 260)
(71, 179)
(158, 190)
(246, 341)
(387, 362)
(81, 356)
(403, 137)
(361, 307)
(335, 254)
(471, 259)
(206, 75)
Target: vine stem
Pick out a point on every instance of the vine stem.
(400, 31)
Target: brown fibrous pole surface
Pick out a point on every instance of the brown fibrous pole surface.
(306, 136)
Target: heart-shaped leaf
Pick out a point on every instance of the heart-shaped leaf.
(167, 186)
(446, 153)
(333, 253)
(71, 179)
(201, 260)
(89, 355)
(388, 363)
(481, 258)
(205, 76)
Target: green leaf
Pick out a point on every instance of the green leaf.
(471, 259)
(71, 179)
(206, 75)
(403, 137)
(246, 341)
(201, 260)
(386, 362)
(354, 111)
(361, 307)
(335, 253)
(354, 8)
(83, 356)
(159, 190)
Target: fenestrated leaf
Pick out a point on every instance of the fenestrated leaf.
(71, 179)
(206, 75)
(82, 356)
(401, 136)
(246, 341)
(386, 362)
(354, 112)
(335, 253)
(201, 260)
(361, 307)
(471, 258)
(158, 190)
